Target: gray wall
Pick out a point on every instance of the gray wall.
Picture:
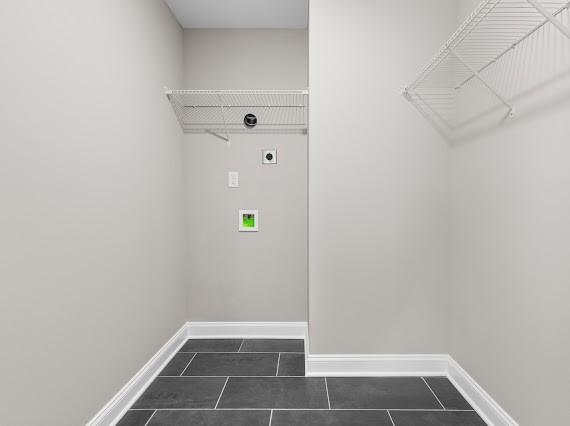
(91, 217)
(246, 276)
(511, 243)
(378, 180)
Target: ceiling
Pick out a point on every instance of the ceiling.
(240, 13)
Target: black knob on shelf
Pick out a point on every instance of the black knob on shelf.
(250, 120)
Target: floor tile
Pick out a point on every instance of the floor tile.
(211, 345)
(436, 418)
(291, 365)
(273, 345)
(274, 392)
(177, 364)
(447, 394)
(331, 418)
(233, 364)
(210, 418)
(135, 418)
(181, 392)
(380, 392)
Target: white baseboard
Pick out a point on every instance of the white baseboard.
(489, 410)
(112, 412)
(376, 365)
(248, 330)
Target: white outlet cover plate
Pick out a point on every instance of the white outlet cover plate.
(273, 152)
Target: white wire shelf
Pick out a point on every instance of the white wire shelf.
(222, 112)
(493, 57)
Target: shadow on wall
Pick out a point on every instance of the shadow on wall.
(534, 77)
(534, 103)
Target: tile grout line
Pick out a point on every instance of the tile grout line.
(226, 352)
(433, 393)
(391, 419)
(271, 417)
(151, 416)
(237, 376)
(188, 365)
(278, 360)
(327, 388)
(434, 410)
(220, 397)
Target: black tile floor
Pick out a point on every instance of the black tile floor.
(261, 382)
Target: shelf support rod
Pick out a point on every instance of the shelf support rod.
(482, 80)
(544, 12)
(227, 139)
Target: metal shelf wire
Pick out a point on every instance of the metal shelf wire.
(221, 112)
(481, 67)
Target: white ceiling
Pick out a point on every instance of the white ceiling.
(240, 13)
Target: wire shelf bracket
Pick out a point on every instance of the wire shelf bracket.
(221, 112)
(484, 81)
(468, 64)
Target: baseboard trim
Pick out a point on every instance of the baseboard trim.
(316, 365)
(112, 412)
(376, 365)
(247, 330)
(489, 410)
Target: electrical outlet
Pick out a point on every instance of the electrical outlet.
(270, 156)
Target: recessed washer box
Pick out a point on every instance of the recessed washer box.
(248, 221)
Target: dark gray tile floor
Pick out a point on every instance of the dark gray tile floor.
(260, 382)
(212, 345)
(211, 418)
(182, 392)
(178, 364)
(275, 392)
(381, 392)
(136, 417)
(447, 394)
(331, 417)
(272, 345)
(238, 364)
(436, 418)
(291, 365)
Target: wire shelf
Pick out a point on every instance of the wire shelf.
(223, 111)
(491, 59)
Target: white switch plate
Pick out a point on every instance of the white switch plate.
(270, 156)
(233, 179)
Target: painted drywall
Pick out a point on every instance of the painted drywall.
(91, 217)
(511, 243)
(245, 59)
(237, 276)
(378, 180)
